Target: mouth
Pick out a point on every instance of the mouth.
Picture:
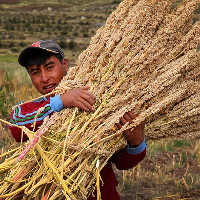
(49, 88)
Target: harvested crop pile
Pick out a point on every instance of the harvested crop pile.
(144, 59)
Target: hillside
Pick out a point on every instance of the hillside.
(70, 23)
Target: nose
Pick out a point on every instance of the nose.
(45, 77)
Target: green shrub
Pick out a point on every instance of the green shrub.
(75, 33)
(11, 44)
(63, 44)
(22, 44)
(71, 45)
(14, 50)
(85, 34)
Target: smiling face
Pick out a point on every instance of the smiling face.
(47, 76)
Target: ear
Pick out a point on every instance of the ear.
(65, 64)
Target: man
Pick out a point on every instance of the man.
(46, 65)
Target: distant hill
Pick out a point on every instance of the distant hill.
(70, 23)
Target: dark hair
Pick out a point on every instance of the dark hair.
(38, 57)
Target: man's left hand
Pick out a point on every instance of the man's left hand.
(134, 136)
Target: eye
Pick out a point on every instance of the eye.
(49, 67)
(35, 73)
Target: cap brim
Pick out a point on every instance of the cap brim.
(22, 59)
(25, 54)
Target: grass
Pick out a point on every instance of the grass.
(164, 174)
(15, 85)
(8, 58)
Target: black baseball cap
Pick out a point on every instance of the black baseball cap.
(46, 45)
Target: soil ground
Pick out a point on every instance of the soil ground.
(173, 182)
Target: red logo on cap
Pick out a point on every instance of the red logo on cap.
(36, 44)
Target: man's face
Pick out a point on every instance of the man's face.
(47, 77)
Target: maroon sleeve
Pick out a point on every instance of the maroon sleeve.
(24, 115)
(123, 160)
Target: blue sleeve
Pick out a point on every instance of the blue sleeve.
(56, 103)
(138, 149)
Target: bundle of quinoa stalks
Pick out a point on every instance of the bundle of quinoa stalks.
(145, 59)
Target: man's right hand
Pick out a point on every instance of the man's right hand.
(79, 97)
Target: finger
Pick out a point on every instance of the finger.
(123, 121)
(131, 115)
(127, 117)
(87, 98)
(81, 106)
(85, 87)
(119, 126)
(89, 94)
(86, 104)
